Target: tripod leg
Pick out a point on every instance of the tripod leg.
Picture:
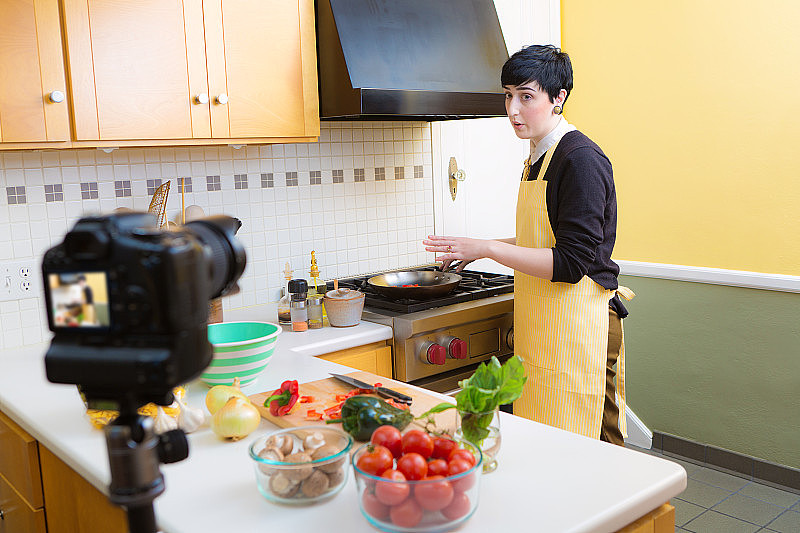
(142, 519)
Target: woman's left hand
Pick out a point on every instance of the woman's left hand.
(455, 248)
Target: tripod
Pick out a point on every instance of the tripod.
(134, 454)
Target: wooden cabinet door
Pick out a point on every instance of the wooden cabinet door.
(262, 56)
(31, 68)
(134, 69)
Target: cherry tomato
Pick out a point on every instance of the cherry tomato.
(407, 514)
(442, 446)
(374, 507)
(390, 437)
(413, 466)
(458, 507)
(437, 467)
(458, 466)
(434, 495)
(375, 460)
(417, 441)
(461, 453)
(389, 492)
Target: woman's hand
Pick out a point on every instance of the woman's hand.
(455, 248)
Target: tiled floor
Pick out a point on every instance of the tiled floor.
(718, 502)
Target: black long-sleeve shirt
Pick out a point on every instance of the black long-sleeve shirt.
(582, 207)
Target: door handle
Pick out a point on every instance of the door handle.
(455, 175)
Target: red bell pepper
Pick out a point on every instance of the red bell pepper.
(283, 399)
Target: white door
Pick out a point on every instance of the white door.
(486, 149)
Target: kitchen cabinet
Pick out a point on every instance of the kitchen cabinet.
(33, 106)
(34, 483)
(156, 72)
(375, 358)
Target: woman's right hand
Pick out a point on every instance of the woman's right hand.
(461, 249)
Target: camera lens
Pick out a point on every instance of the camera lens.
(227, 255)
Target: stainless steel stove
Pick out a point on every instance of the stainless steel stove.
(441, 341)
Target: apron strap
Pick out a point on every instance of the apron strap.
(545, 164)
(626, 293)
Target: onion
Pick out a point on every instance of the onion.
(218, 395)
(236, 419)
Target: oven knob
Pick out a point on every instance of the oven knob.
(456, 348)
(433, 354)
(510, 338)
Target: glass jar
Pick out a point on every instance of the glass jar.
(299, 314)
(314, 312)
(483, 430)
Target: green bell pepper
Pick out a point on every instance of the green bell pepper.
(361, 415)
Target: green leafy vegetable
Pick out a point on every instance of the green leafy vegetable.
(490, 386)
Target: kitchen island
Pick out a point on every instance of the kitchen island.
(547, 479)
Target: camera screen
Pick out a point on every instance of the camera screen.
(79, 299)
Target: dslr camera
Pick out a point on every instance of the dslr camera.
(128, 304)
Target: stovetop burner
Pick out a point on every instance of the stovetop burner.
(474, 286)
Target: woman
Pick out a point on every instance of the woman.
(568, 328)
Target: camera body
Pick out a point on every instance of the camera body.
(128, 303)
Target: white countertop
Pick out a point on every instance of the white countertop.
(547, 479)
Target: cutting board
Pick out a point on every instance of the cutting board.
(324, 392)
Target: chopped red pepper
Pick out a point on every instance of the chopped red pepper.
(283, 399)
(306, 399)
(396, 404)
(312, 414)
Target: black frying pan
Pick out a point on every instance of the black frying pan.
(415, 285)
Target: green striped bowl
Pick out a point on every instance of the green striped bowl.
(241, 350)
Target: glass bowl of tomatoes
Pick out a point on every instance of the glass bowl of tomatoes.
(416, 481)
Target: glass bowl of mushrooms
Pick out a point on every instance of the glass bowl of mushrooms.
(303, 465)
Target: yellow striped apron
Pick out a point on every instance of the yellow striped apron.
(560, 331)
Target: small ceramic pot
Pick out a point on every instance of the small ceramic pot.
(344, 307)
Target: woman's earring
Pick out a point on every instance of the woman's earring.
(557, 110)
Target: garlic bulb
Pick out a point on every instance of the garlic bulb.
(164, 422)
(190, 418)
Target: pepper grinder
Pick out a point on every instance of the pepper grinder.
(298, 288)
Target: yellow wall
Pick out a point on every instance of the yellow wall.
(698, 106)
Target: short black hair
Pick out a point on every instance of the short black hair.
(545, 64)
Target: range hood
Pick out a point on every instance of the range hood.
(409, 59)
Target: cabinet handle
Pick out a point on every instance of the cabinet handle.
(1, 515)
(201, 98)
(222, 99)
(55, 97)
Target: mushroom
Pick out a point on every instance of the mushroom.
(299, 472)
(328, 450)
(283, 442)
(272, 454)
(336, 477)
(282, 486)
(315, 485)
(313, 441)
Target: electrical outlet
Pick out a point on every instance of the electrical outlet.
(18, 280)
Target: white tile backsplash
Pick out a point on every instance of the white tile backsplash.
(354, 227)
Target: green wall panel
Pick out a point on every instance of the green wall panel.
(715, 364)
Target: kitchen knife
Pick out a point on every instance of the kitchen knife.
(381, 391)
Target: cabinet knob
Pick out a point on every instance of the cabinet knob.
(201, 98)
(1, 515)
(56, 97)
(222, 99)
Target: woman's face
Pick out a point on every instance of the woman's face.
(530, 110)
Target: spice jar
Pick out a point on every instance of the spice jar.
(315, 311)
(298, 288)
